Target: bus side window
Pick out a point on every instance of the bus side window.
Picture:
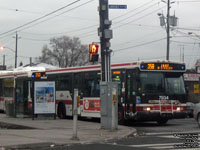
(63, 82)
(91, 84)
(78, 82)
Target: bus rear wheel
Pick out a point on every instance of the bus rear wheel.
(162, 121)
(61, 111)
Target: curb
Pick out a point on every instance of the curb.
(5, 125)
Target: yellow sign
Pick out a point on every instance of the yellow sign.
(196, 88)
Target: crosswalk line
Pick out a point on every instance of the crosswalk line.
(169, 146)
(168, 133)
(154, 145)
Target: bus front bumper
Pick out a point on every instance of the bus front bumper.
(153, 116)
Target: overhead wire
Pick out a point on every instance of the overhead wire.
(70, 31)
(19, 10)
(44, 16)
(128, 42)
(133, 10)
(89, 33)
(138, 45)
(141, 11)
(57, 14)
(140, 17)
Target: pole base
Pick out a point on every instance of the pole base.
(75, 138)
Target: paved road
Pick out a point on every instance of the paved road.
(151, 136)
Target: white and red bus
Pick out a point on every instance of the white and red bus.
(147, 91)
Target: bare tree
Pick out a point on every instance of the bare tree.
(65, 52)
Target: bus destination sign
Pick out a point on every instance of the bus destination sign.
(162, 66)
(39, 75)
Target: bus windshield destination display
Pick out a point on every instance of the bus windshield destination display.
(38, 75)
(162, 66)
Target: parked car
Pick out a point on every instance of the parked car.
(197, 113)
(190, 107)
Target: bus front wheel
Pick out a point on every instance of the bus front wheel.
(61, 111)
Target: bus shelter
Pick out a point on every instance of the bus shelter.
(28, 93)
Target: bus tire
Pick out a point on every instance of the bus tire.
(162, 121)
(120, 116)
(61, 111)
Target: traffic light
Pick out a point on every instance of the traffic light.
(93, 52)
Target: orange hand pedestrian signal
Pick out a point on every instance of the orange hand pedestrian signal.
(93, 52)
(94, 48)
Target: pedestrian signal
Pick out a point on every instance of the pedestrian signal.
(93, 52)
(94, 48)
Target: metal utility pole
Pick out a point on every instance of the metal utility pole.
(4, 60)
(105, 36)
(168, 30)
(30, 61)
(16, 50)
(167, 22)
(108, 103)
(75, 116)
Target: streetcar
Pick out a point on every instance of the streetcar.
(147, 90)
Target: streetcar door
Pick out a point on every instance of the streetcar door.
(130, 95)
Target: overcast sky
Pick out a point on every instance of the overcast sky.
(137, 33)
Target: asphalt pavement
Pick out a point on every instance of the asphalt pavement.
(47, 132)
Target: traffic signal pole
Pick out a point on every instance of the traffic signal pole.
(105, 44)
(109, 105)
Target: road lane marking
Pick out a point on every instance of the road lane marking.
(150, 145)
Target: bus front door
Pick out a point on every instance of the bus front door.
(130, 95)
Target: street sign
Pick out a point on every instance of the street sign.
(118, 6)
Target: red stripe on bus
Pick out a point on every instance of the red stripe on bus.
(125, 64)
(90, 67)
(66, 102)
(71, 69)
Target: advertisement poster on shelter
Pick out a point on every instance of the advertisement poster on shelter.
(44, 97)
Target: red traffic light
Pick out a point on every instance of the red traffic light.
(93, 48)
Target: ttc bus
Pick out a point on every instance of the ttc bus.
(147, 91)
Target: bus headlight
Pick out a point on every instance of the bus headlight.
(148, 108)
(178, 108)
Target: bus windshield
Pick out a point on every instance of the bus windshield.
(158, 82)
(151, 82)
(175, 85)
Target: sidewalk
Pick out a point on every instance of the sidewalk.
(56, 132)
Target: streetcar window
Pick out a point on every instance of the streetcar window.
(151, 82)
